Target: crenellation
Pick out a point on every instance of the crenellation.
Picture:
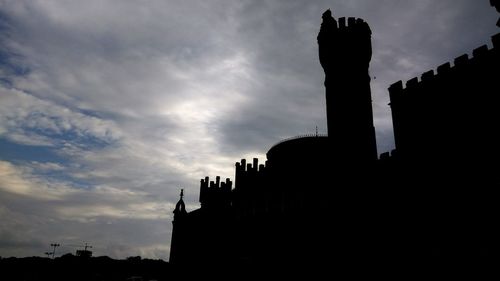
(412, 83)
(396, 87)
(335, 25)
(215, 193)
(395, 90)
(342, 23)
(262, 167)
(480, 52)
(351, 22)
(461, 60)
(226, 186)
(427, 76)
(245, 177)
(444, 68)
(251, 168)
(255, 164)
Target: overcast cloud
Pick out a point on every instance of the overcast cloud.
(108, 108)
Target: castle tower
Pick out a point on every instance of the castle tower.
(345, 52)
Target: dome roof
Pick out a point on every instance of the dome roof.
(300, 147)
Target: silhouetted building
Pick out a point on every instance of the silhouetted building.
(329, 201)
(447, 142)
(84, 253)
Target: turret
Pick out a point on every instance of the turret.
(345, 52)
(180, 207)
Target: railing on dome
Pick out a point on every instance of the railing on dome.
(299, 137)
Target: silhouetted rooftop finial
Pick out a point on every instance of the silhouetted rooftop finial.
(180, 207)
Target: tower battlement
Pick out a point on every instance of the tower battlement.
(243, 166)
(352, 24)
(215, 193)
(247, 174)
(344, 45)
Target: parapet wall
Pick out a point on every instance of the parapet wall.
(452, 109)
(444, 70)
(244, 167)
(352, 24)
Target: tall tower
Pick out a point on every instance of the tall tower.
(345, 52)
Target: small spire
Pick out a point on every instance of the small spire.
(180, 207)
(316, 131)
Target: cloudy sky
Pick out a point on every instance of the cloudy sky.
(108, 108)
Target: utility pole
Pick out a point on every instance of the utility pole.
(54, 245)
(87, 246)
